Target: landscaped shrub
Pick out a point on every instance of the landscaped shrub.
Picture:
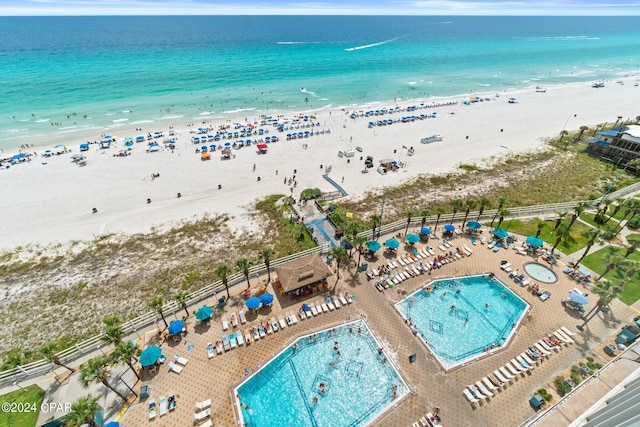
(634, 222)
(545, 394)
(561, 385)
(576, 377)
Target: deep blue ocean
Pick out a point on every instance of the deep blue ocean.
(92, 75)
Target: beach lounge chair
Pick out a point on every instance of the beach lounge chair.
(336, 302)
(209, 423)
(281, 322)
(211, 351)
(330, 304)
(202, 405)
(307, 310)
(497, 247)
(175, 368)
(343, 301)
(515, 372)
(232, 340)
(566, 331)
(219, 347)
(243, 318)
(545, 296)
(199, 416)
(562, 337)
(181, 360)
(261, 331)
(324, 307)
(541, 349)
(302, 314)
(487, 382)
(401, 262)
(153, 409)
(314, 311)
(491, 244)
(505, 380)
(248, 337)
(162, 406)
(274, 324)
(239, 337)
(424, 422)
(524, 363)
(466, 248)
(348, 297)
(225, 323)
(474, 241)
(527, 359)
(483, 389)
(505, 372)
(469, 396)
(517, 365)
(546, 346)
(234, 320)
(475, 391)
(294, 318)
(442, 248)
(225, 343)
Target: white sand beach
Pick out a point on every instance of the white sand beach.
(51, 199)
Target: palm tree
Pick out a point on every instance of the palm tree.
(484, 203)
(561, 215)
(618, 206)
(112, 334)
(409, 214)
(181, 298)
(359, 242)
(638, 120)
(156, 304)
(582, 130)
(577, 211)
(593, 234)
(266, 254)
(48, 352)
(111, 320)
(128, 353)
(563, 233)
(501, 202)
(614, 259)
(606, 290)
(540, 225)
(222, 271)
(563, 133)
(439, 211)
(634, 164)
(616, 123)
(82, 412)
(424, 213)
(468, 205)
(376, 220)
(457, 205)
(339, 254)
(243, 265)
(503, 213)
(633, 245)
(95, 371)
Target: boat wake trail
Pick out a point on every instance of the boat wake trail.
(303, 90)
(367, 46)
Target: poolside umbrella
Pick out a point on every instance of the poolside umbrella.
(150, 355)
(204, 313)
(579, 298)
(474, 225)
(392, 244)
(536, 242)
(425, 230)
(449, 227)
(176, 327)
(373, 245)
(113, 424)
(266, 298)
(500, 233)
(253, 303)
(413, 238)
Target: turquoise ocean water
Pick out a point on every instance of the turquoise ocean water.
(95, 75)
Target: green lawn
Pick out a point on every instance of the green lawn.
(33, 396)
(595, 262)
(529, 228)
(588, 217)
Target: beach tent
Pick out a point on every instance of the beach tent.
(262, 148)
(205, 156)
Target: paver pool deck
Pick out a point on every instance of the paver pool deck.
(204, 378)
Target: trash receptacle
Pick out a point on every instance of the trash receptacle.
(536, 401)
(610, 350)
(145, 391)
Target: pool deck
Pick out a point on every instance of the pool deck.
(204, 378)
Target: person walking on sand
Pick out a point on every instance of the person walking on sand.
(254, 167)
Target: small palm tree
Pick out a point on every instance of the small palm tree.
(83, 412)
(501, 202)
(439, 211)
(593, 234)
(266, 254)
(243, 265)
(111, 320)
(617, 121)
(633, 246)
(181, 298)
(376, 220)
(112, 334)
(48, 352)
(563, 133)
(606, 290)
(614, 259)
(503, 212)
(156, 304)
(619, 203)
(484, 203)
(359, 243)
(540, 225)
(468, 205)
(409, 214)
(457, 206)
(561, 215)
(95, 371)
(340, 255)
(127, 352)
(577, 211)
(222, 271)
(563, 233)
(582, 130)
(424, 213)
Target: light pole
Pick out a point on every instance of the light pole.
(567, 122)
(15, 384)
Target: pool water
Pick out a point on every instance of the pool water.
(540, 272)
(462, 317)
(359, 382)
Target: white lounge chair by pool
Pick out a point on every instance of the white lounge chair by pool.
(475, 391)
(239, 337)
(469, 396)
(515, 372)
(527, 359)
(483, 389)
(562, 337)
(282, 323)
(501, 377)
(174, 368)
(243, 318)
(541, 349)
(524, 363)
(204, 404)
(181, 360)
(313, 309)
(489, 384)
(163, 406)
(342, 300)
(508, 374)
(330, 304)
(274, 324)
(566, 331)
(336, 301)
(225, 323)
(199, 416)
(324, 307)
(209, 423)
(211, 351)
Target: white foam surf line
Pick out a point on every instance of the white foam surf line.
(367, 46)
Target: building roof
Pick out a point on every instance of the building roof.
(302, 272)
(633, 130)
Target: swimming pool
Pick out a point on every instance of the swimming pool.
(540, 272)
(462, 317)
(358, 381)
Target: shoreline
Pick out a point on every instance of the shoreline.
(51, 200)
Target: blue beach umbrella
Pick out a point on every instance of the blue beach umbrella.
(413, 238)
(150, 355)
(425, 230)
(266, 298)
(449, 227)
(392, 244)
(474, 225)
(204, 313)
(536, 242)
(579, 298)
(176, 327)
(113, 424)
(373, 245)
(500, 233)
(253, 303)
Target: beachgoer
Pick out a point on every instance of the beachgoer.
(453, 307)
(315, 399)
